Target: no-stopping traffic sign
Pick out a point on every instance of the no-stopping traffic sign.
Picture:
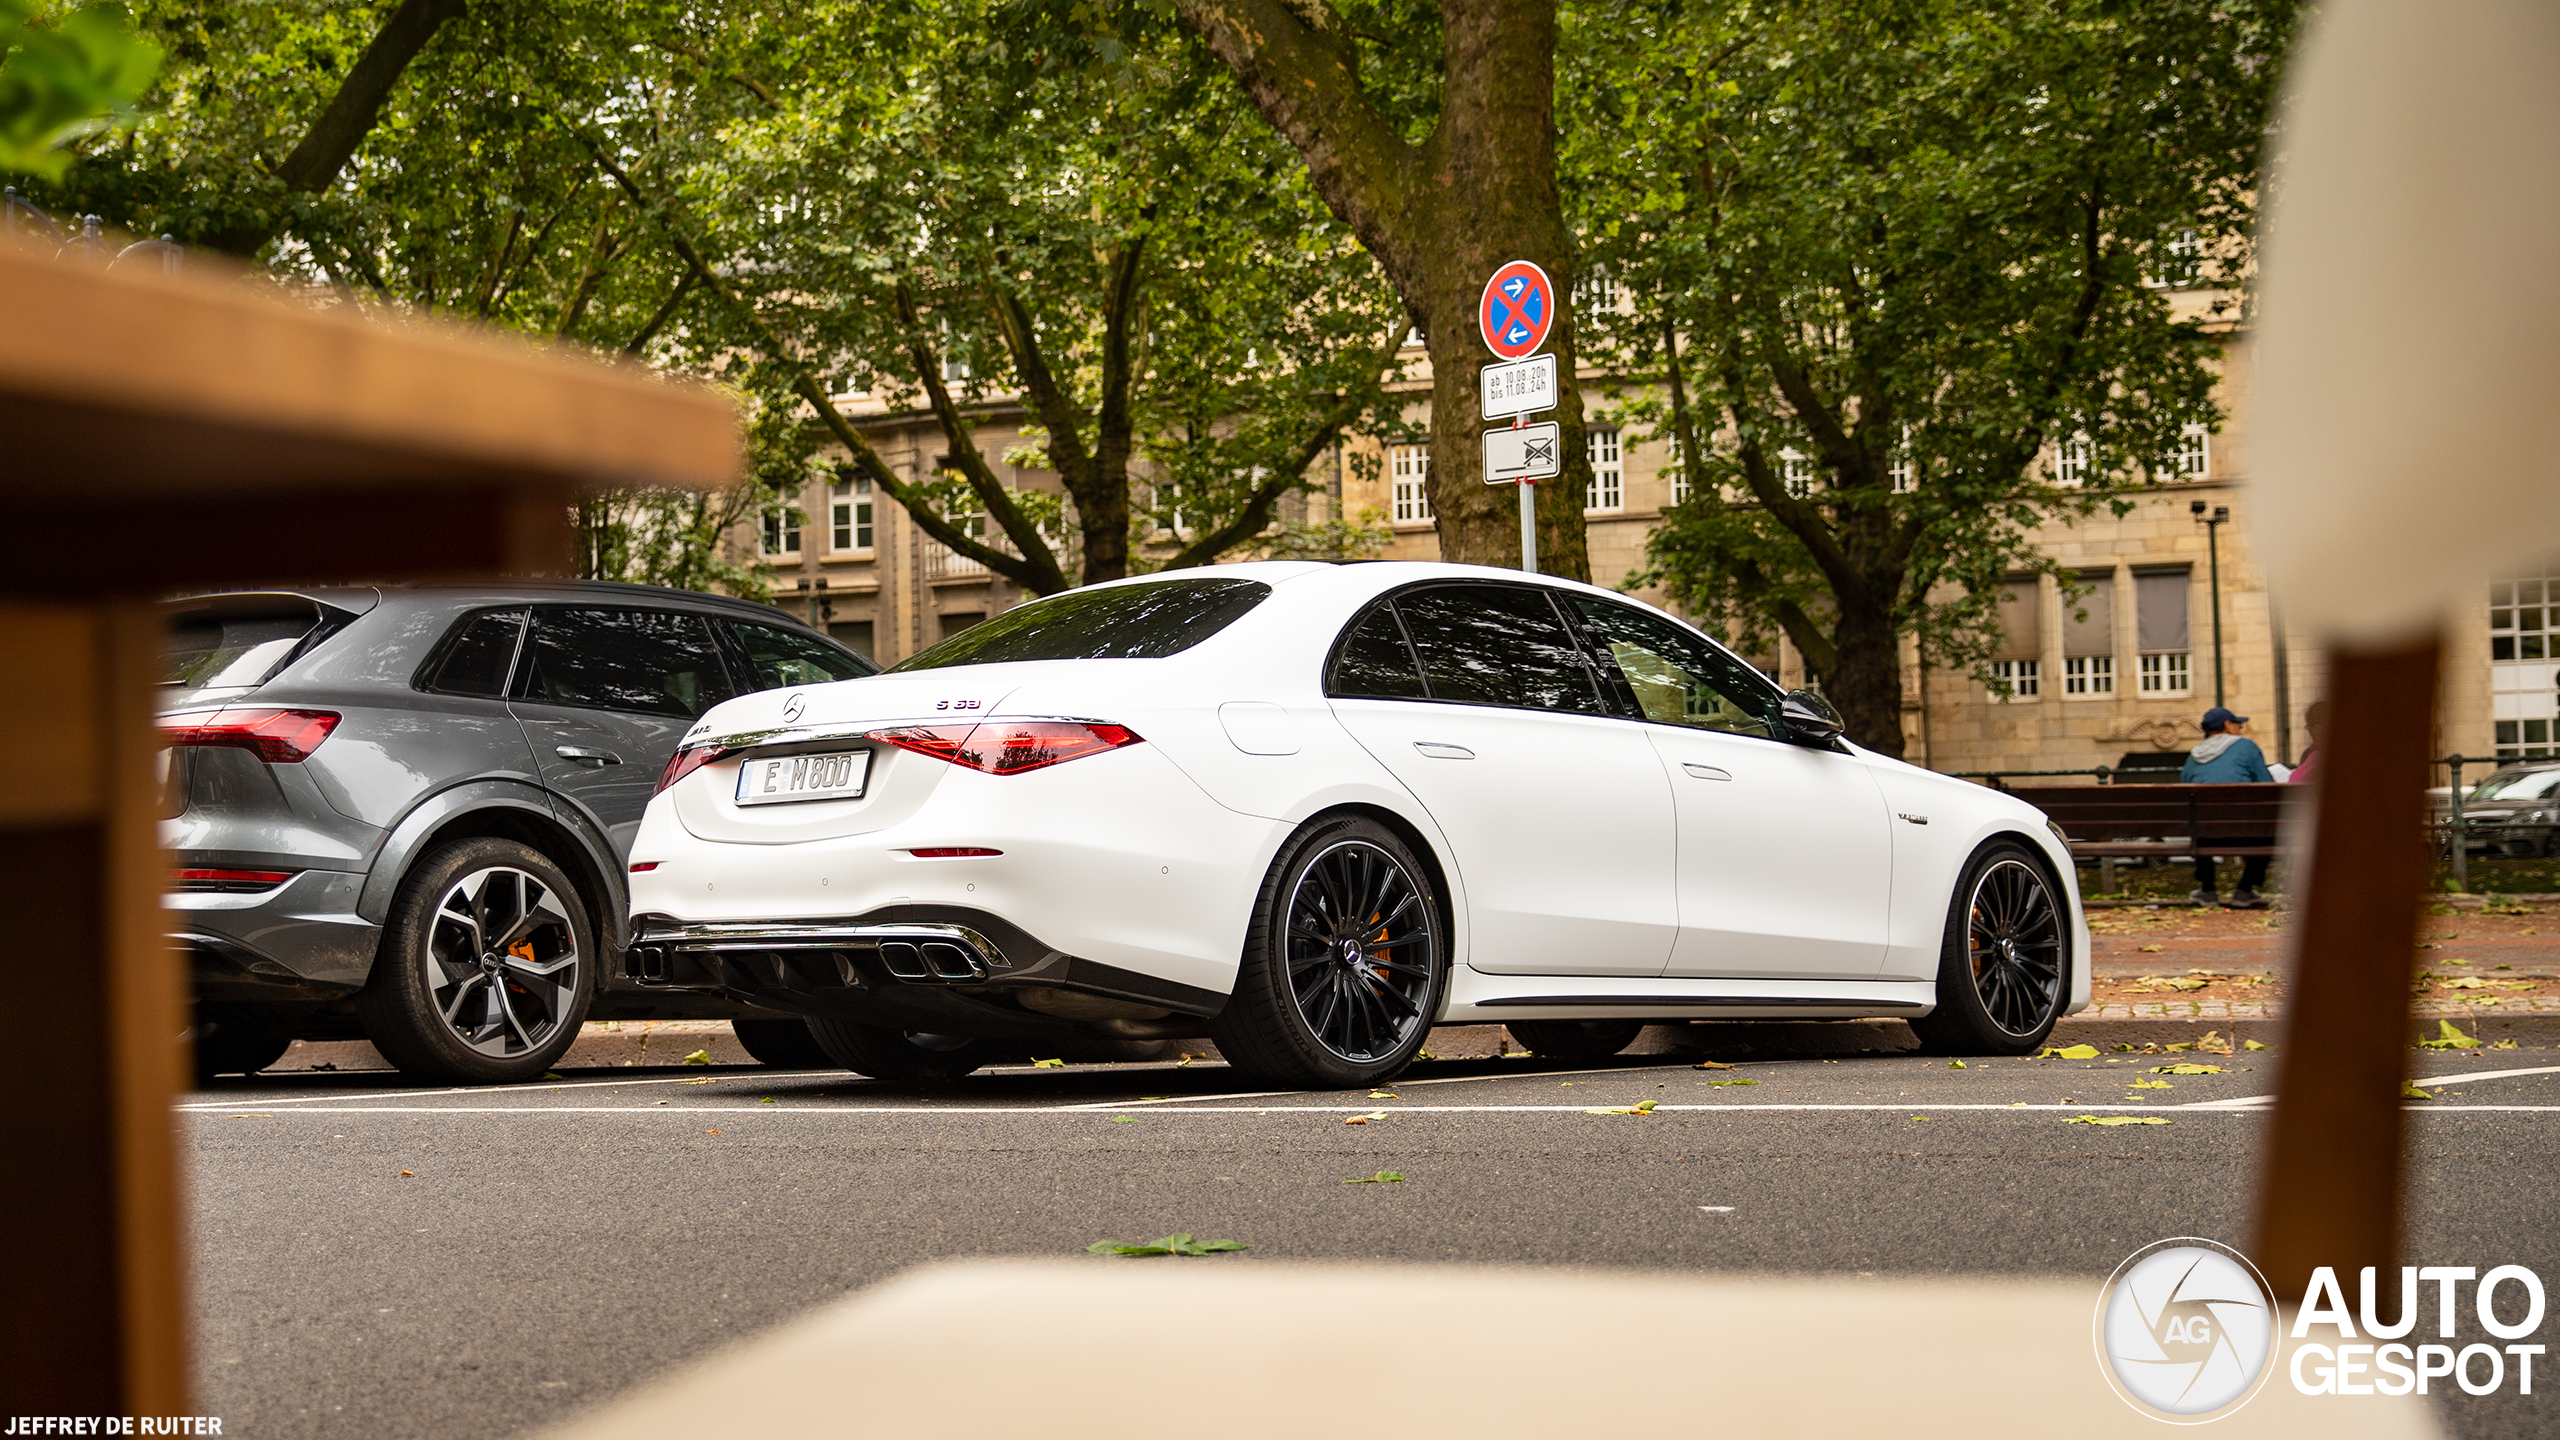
(1517, 311)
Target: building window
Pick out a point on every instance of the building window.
(1409, 465)
(2182, 261)
(2193, 459)
(782, 531)
(1903, 468)
(1595, 290)
(849, 515)
(2023, 677)
(2072, 460)
(2160, 625)
(1795, 471)
(2524, 665)
(1608, 473)
(2089, 675)
(2089, 636)
(2016, 671)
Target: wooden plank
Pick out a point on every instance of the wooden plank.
(136, 384)
(2330, 1176)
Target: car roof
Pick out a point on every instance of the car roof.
(531, 590)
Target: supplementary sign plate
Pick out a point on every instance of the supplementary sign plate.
(1531, 452)
(1517, 311)
(1523, 387)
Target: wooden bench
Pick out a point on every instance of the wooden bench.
(2108, 823)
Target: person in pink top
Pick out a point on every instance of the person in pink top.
(2313, 720)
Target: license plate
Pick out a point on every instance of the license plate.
(782, 779)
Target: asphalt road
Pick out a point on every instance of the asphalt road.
(383, 1260)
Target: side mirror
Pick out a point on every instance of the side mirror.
(1805, 718)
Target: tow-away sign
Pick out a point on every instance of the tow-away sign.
(1530, 452)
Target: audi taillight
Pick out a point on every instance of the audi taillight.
(685, 761)
(280, 737)
(1011, 747)
(227, 881)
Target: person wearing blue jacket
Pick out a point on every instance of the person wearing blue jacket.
(2227, 756)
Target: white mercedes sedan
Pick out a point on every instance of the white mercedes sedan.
(1313, 810)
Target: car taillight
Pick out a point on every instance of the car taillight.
(1011, 747)
(280, 737)
(684, 762)
(228, 881)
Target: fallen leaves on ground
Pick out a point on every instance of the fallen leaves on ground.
(1383, 1177)
(2504, 1045)
(550, 1075)
(1920, 1117)
(1383, 1095)
(1365, 1119)
(698, 1057)
(1711, 1065)
(1955, 1064)
(1731, 1082)
(768, 1100)
(714, 1132)
(412, 1174)
(2153, 949)
(1641, 1107)
(2068, 1052)
(1124, 1119)
(1048, 1064)
(2185, 1067)
(2412, 1092)
(2115, 1120)
(2255, 1045)
(2153, 1084)
(2449, 1038)
(1181, 1244)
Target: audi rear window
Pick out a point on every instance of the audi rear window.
(239, 641)
(1121, 622)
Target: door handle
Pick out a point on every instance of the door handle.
(1706, 772)
(584, 756)
(1438, 751)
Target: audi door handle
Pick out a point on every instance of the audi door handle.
(1437, 751)
(1706, 772)
(584, 756)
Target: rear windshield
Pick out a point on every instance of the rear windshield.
(1121, 622)
(235, 644)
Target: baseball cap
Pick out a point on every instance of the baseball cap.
(2217, 717)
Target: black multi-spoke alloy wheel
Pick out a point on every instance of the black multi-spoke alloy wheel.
(486, 966)
(1344, 964)
(782, 1044)
(2006, 965)
(1575, 1039)
(887, 1054)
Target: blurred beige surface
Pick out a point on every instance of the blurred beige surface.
(1233, 1347)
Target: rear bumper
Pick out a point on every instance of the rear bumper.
(916, 967)
(301, 941)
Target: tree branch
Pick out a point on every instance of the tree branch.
(1256, 515)
(350, 114)
(990, 491)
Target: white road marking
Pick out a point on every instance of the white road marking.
(526, 1089)
(2440, 1081)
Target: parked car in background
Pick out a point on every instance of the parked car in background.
(2514, 810)
(404, 813)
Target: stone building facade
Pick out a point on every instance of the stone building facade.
(2115, 675)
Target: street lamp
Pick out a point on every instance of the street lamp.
(2213, 524)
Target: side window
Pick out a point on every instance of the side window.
(1374, 663)
(475, 660)
(647, 661)
(1498, 645)
(776, 657)
(1677, 678)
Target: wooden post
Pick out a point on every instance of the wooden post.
(2329, 1193)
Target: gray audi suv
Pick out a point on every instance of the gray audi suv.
(404, 813)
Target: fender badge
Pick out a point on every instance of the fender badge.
(1914, 819)
(792, 707)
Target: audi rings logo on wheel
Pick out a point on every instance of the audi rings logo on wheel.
(2185, 1330)
(792, 708)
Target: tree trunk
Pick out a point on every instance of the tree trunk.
(1865, 680)
(1440, 216)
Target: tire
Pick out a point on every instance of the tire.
(517, 1003)
(886, 1054)
(1576, 1039)
(235, 1047)
(1344, 964)
(2005, 967)
(782, 1044)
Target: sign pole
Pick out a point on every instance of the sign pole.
(1529, 527)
